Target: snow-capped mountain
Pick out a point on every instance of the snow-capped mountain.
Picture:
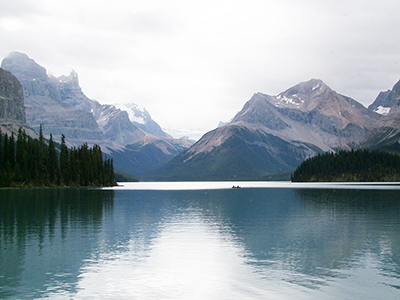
(140, 117)
(274, 134)
(386, 135)
(386, 100)
(59, 104)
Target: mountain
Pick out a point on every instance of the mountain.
(386, 100)
(386, 135)
(12, 110)
(141, 118)
(59, 104)
(274, 134)
(56, 103)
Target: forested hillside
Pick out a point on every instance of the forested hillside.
(351, 166)
(27, 162)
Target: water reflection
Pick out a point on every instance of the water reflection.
(44, 236)
(188, 258)
(291, 244)
(204, 244)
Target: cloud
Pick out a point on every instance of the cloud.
(194, 63)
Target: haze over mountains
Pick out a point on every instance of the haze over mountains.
(267, 139)
(274, 134)
(62, 108)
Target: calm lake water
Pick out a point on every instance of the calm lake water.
(201, 241)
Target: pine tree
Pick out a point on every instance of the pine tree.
(64, 162)
(52, 162)
(42, 159)
(22, 159)
(1, 150)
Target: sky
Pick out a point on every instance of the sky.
(192, 64)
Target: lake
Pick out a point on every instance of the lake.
(265, 240)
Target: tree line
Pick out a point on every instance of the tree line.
(33, 162)
(356, 165)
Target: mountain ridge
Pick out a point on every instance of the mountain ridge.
(59, 105)
(274, 134)
(12, 109)
(386, 136)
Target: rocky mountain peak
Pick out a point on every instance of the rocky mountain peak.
(23, 67)
(307, 88)
(12, 110)
(71, 79)
(388, 101)
(305, 95)
(11, 97)
(140, 117)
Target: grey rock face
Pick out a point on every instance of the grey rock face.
(312, 113)
(142, 119)
(386, 134)
(388, 99)
(11, 97)
(60, 106)
(274, 134)
(56, 103)
(12, 110)
(116, 125)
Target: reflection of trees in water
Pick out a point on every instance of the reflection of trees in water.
(314, 233)
(349, 223)
(38, 220)
(309, 232)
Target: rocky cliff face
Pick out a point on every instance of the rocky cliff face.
(59, 104)
(141, 118)
(11, 97)
(386, 100)
(274, 134)
(51, 102)
(386, 134)
(310, 112)
(12, 110)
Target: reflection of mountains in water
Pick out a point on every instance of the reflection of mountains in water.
(301, 236)
(309, 232)
(43, 233)
(317, 232)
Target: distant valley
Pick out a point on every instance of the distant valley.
(266, 140)
(129, 135)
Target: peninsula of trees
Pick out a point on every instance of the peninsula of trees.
(29, 162)
(349, 166)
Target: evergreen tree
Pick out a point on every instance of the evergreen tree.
(1, 149)
(11, 150)
(64, 162)
(354, 165)
(33, 162)
(22, 159)
(52, 162)
(42, 159)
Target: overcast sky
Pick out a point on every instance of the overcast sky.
(194, 63)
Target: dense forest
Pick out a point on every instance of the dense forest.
(29, 162)
(350, 166)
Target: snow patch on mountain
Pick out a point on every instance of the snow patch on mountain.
(382, 110)
(316, 86)
(135, 112)
(282, 99)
